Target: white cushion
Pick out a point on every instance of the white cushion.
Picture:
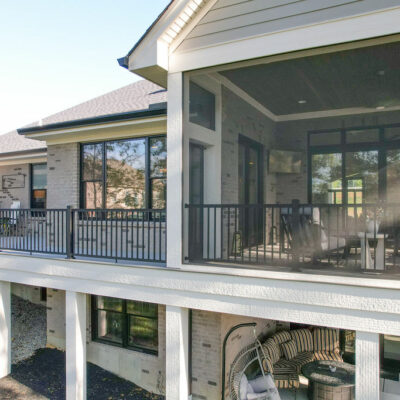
(255, 396)
(392, 387)
(390, 396)
(244, 388)
(265, 385)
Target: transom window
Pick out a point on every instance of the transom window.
(124, 174)
(125, 323)
(355, 165)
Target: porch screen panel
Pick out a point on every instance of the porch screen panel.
(392, 175)
(326, 178)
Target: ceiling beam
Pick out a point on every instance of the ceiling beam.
(243, 95)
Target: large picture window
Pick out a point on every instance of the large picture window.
(125, 323)
(355, 166)
(124, 174)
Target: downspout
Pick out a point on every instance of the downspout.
(234, 328)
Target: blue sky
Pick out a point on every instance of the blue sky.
(55, 54)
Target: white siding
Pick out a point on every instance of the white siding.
(235, 19)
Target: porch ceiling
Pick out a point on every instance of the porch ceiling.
(363, 78)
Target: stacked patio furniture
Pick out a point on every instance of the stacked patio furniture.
(287, 351)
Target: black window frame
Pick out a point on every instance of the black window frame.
(31, 202)
(148, 177)
(125, 327)
(381, 146)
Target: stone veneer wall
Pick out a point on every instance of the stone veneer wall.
(7, 196)
(63, 175)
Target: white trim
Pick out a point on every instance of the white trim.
(344, 305)
(5, 329)
(359, 27)
(333, 113)
(24, 159)
(190, 24)
(91, 127)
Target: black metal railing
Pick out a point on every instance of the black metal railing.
(137, 235)
(353, 237)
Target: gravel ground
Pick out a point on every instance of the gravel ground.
(28, 328)
(44, 374)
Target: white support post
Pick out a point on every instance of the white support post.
(367, 366)
(177, 353)
(175, 170)
(5, 329)
(75, 313)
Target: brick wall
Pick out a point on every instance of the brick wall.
(56, 318)
(7, 196)
(146, 370)
(63, 175)
(209, 330)
(30, 293)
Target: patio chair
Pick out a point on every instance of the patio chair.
(307, 236)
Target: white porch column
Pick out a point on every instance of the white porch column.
(5, 328)
(367, 366)
(174, 170)
(75, 335)
(177, 353)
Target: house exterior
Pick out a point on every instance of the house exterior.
(282, 163)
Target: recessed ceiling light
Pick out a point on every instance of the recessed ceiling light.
(381, 72)
(380, 107)
(302, 101)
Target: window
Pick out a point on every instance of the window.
(38, 185)
(125, 323)
(201, 106)
(124, 174)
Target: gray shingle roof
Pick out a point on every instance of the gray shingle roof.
(13, 142)
(134, 97)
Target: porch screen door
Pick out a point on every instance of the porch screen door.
(250, 190)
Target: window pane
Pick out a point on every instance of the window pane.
(143, 333)
(158, 193)
(141, 308)
(92, 163)
(38, 198)
(109, 326)
(362, 173)
(324, 139)
(327, 178)
(201, 106)
(158, 157)
(392, 133)
(93, 194)
(39, 176)
(362, 136)
(126, 174)
(393, 175)
(109, 303)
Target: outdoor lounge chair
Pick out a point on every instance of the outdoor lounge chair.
(307, 236)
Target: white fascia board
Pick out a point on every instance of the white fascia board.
(354, 28)
(24, 159)
(341, 306)
(68, 134)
